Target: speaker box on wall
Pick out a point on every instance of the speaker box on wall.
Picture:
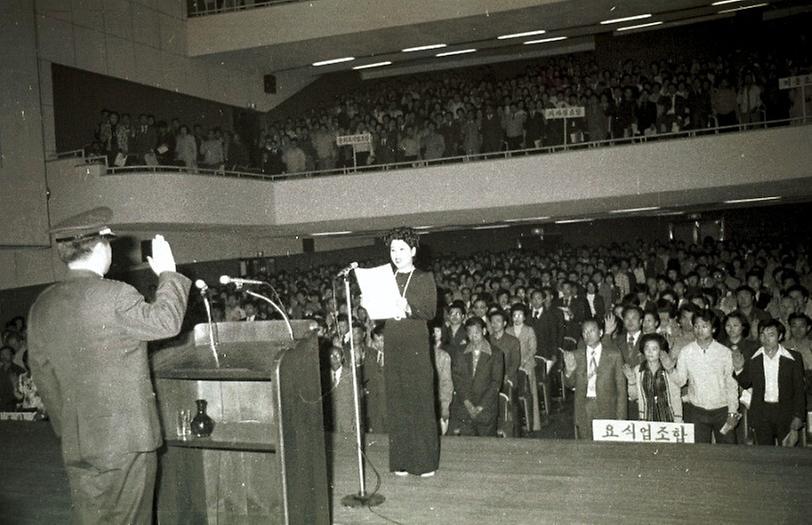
(308, 246)
(270, 83)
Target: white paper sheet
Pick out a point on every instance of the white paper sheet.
(379, 292)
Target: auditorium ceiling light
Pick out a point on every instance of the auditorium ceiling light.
(669, 213)
(457, 52)
(572, 221)
(625, 19)
(723, 2)
(634, 210)
(327, 234)
(423, 48)
(639, 26)
(424, 227)
(754, 199)
(491, 227)
(545, 40)
(376, 64)
(528, 219)
(742, 8)
(520, 35)
(333, 61)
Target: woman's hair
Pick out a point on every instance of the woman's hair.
(518, 307)
(407, 235)
(662, 342)
(742, 319)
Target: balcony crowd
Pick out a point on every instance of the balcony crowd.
(466, 113)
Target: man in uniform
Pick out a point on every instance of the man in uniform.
(88, 354)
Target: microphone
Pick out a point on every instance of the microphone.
(202, 286)
(239, 281)
(344, 271)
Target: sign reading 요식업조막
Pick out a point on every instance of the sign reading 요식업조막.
(642, 431)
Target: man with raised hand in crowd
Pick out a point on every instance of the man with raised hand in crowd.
(595, 370)
(88, 352)
(712, 403)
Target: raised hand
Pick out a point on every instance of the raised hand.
(161, 259)
(609, 324)
(666, 360)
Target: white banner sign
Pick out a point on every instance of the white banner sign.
(795, 82)
(642, 431)
(17, 416)
(348, 140)
(569, 112)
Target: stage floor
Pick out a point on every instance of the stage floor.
(489, 480)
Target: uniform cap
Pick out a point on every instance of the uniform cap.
(85, 225)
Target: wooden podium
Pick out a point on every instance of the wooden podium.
(265, 461)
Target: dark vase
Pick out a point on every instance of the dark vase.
(202, 424)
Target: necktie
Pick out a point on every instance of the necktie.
(475, 359)
(593, 365)
(537, 314)
(631, 340)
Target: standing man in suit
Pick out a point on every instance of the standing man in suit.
(595, 369)
(776, 375)
(510, 347)
(88, 353)
(629, 339)
(548, 323)
(478, 373)
(574, 308)
(454, 332)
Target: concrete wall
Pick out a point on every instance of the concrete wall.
(23, 215)
(139, 40)
(668, 173)
(657, 173)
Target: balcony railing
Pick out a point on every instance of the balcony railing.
(256, 174)
(214, 7)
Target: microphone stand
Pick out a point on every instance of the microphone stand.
(278, 309)
(212, 340)
(362, 498)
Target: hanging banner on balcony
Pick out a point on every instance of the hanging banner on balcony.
(568, 112)
(795, 82)
(349, 140)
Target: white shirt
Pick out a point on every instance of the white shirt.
(771, 372)
(337, 376)
(537, 313)
(590, 298)
(709, 374)
(592, 375)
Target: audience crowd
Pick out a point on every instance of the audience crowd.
(462, 113)
(662, 332)
(657, 311)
